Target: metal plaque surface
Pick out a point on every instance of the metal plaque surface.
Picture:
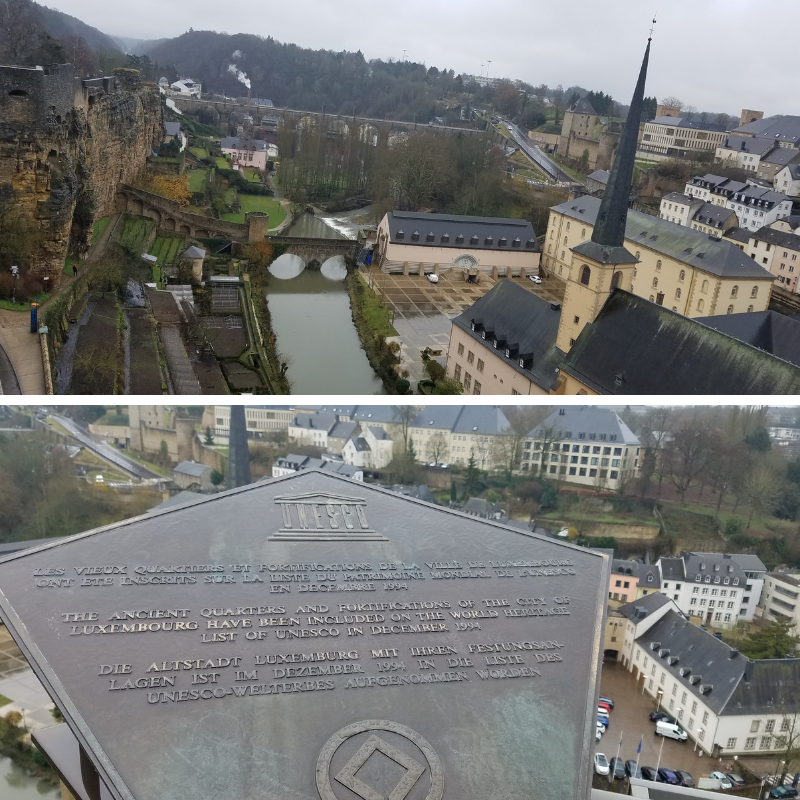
(315, 638)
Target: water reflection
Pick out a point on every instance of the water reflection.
(334, 269)
(287, 266)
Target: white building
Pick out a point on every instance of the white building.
(258, 419)
(186, 87)
(583, 444)
(787, 180)
(781, 597)
(373, 449)
(676, 137)
(631, 621)
(312, 429)
(292, 463)
(705, 585)
(680, 208)
(756, 207)
(754, 572)
(244, 152)
(728, 704)
(743, 152)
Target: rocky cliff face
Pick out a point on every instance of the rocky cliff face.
(65, 147)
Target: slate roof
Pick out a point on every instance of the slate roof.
(238, 143)
(692, 247)
(343, 430)
(699, 652)
(678, 197)
(484, 420)
(585, 424)
(524, 319)
(647, 574)
(708, 180)
(383, 414)
(747, 144)
(379, 433)
(583, 106)
(461, 233)
(769, 331)
(714, 565)
(712, 214)
(191, 468)
(599, 175)
(672, 569)
(317, 422)
(781, 156)
(650, 603)
(295, 462)
(194, 252)
(180, 499)
(172, 128)
(768, 686)
(360, 444)
(748, 562)
(480, 507)
(682, 122)
(758, 196)
(784, 129)
(739, 234)
(637, 347)
(417, 492)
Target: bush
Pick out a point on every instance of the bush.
(402, 386)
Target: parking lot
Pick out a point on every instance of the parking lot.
(629, 719)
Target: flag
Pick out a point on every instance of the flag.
(620, 740)
(639, 748)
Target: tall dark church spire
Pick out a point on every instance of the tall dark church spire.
(238, 454)
(608, 237)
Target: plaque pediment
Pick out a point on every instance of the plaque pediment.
(322, 516)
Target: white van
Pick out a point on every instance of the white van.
(671, 731)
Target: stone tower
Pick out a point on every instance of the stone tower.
(238, 454)
(579, 120)
(602, 264)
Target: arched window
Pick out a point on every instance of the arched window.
(583, 231)
(615, 279)
(682, 276)
(563, 253)
(585, 275)
(565, 240)
(677, 294)
(754, 292)
(700, 305)
(652, 298)
(637, 255)
(658, 265)
(749, 309)
(568, 226)
(730, 310)
(735, 291)
(634, 272)
(655, 283)
(704, 287)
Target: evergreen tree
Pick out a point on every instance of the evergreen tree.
(471, 476)
(775, 641)
(209, 438)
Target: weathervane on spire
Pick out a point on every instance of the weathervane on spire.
(652, 27)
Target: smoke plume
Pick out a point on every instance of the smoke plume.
(234, 70)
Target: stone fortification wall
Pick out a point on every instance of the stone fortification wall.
(66, 146)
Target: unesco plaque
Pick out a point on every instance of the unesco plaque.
(315, 638)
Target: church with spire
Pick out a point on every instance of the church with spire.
(634, 286)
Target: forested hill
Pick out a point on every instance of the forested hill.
(300, 78)
(64, 27)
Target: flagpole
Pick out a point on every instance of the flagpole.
(619, 747)
(639, 753)
(660, 750)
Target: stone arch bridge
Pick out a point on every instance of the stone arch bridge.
(316, 252)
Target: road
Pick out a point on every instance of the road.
(105, 451)
(535, 154)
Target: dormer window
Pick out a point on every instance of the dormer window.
(716, 567)
(400, 234)
(474, 239)
(522, 362)
(517, 242)
(502, 241)
(430, 237)
(488, 240)
(415, 236)
(650, 577)
(726, 581)
(735, 581)
(698, 577)
(716, 579)
(460, 238)
(708, 579)
(494, 344)
(508, 353)
(530, 243)
(483, 334)
(445, 238)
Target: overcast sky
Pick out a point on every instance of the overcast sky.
(597, 44)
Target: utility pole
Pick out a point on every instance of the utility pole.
(404, 56)
(487, 69)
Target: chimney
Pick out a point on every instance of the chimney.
(733, 654)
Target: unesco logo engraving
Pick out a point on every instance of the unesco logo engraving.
(321, 516)
(384, 761)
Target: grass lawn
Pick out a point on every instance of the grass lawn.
(112, 418)
(68, 262)
(197, 180)
(568, 170)
(199, 152)
(99, 227)
(378, 317)
(255, 202)
(252, 174)
(149, 464)
(222, 163)
(4, 701)
(25, 305)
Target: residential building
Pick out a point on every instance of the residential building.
(505, 343)
(774, 161)
(415, 242)
(636, 347)
(172, 130)
(587, 445)
(191, 475)
(245, 152)
(754, 572)
(187, 87)
(756, 207)
(597, 181)
(632, 620)
(373, 449)
(312, 429)
(728, 704)
(783, 130)
(743, 152)
(787, 180)
(580, 120)
(291, 463)
(259, 419)
(339, 435)
(671, 265)
(677, 137)
(453, 434)
(679, 208)
(705, 585)
(702, 186)
(780, 598)
(714, 220)
(777, 251)
(643, 579)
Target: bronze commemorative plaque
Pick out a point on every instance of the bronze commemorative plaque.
(315, 638)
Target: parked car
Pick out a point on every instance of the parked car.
(649, 773)
(659, 716)
(598, 733)
(736, 780)
(432, 277)
(685, 778)
(535, 278)
(724, 783)
(607, 701)
(668, 776)
(617, 768)
(601, 712)
(631, 770)
(671, 731)
(783, 792)
(604, 706)
(601, 764)
(603, 721)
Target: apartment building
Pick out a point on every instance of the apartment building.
(780, 598)
(258, 419)
(676, 137)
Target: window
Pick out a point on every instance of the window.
(658, 266)
(682, 276)
(770, 726)
(683, 699)
(477, 389)
(480, 365)
(655, 283)
(755, 725)
(461, 349)
(457, 372)
(735, 291)
(700, 305)
(705, 718)
(694, 707)
(731, 744)
(730, 310)
(750, 743)
(586, 274)
(754, 292)
(766, 742)
(677, 294)
(704, 286)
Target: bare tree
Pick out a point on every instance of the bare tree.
(672, 101)
(762, 488)
(20, 27)
(437, 448)
(689, 453)
(403, 416)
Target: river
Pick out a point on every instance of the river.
(16, 784)
(311, 317)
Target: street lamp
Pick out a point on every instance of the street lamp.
(15, 273)
(660, 694)
(699, 734)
